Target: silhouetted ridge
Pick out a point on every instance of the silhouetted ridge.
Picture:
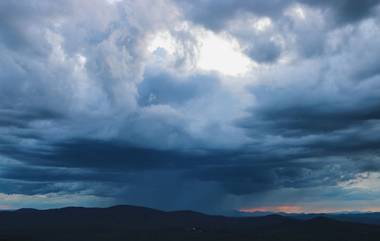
(133, 223)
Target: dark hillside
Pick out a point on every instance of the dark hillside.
(138, 223)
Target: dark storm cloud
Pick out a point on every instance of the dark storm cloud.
(25, 187)
(281, 112)
(16, 35)
(254, 170)
(235, 171)
(214, 14)
(164, 88)
(47, 174)
(309, 130)
(347, 10)
(264, 52)
(85, 108)
(113, 155)
(261, 178)
(240, 179)
(109, 154)
(12, 117)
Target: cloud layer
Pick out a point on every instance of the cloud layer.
(104, 102)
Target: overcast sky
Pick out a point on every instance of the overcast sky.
(210, 105)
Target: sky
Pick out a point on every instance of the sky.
(209, 105)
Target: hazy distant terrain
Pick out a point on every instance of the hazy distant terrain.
(356, 217)
(138, 223)
(367, 218)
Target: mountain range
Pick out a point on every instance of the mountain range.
(144, 224)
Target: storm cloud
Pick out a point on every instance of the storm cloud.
(110, 101)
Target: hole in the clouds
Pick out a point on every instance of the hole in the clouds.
(222, 55)
(216, 53)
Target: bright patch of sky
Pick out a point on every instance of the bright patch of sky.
(216, 52)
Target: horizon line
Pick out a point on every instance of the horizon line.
(241, 211)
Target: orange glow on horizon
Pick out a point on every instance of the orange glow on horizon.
(282, 209)
(300, 209)
(5, 207)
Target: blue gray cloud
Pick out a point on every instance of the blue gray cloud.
(89, 111)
